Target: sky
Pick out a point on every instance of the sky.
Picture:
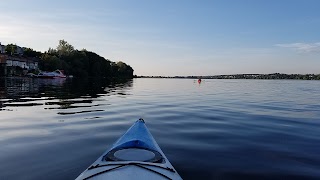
(175, 37)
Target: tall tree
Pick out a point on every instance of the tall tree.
(64, 48)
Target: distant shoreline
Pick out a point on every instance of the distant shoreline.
(246, 76)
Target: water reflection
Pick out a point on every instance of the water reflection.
(64, 93)
(13, 88)
(228, 129)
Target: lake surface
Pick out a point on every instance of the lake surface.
(219, 129)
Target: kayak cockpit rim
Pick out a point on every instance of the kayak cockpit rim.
(134, 154)
(134, 150)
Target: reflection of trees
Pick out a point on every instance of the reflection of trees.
(94, 87)
(13, 89)
(2, 91)
(2, 88)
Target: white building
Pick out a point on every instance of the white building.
(24, 63)
(2, 48)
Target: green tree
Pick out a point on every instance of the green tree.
(52, 51)
(29, 52)
(11, 49)
(64, 48)
(50, 63)
(123, 69)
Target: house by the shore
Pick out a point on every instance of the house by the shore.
(16, 65)
(2, 48)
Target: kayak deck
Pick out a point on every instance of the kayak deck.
(135, 155)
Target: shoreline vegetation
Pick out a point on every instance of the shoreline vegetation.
(79, 63)
(246, 76)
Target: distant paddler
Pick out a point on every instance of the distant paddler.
(199, 80)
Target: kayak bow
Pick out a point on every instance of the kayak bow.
(136, 155)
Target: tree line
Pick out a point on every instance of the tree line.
(263, 76)
(79, 63)
(247, 76)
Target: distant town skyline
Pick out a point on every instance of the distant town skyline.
(175, 38)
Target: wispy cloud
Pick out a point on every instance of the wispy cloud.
(302, 47)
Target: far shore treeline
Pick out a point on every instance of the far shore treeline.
(247, 76)
(79, 63)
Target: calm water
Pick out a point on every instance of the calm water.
(219, 129)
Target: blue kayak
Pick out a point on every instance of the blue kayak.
(136, 155)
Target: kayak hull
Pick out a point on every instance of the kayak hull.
(136, 155)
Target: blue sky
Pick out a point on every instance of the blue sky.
(175, 37)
